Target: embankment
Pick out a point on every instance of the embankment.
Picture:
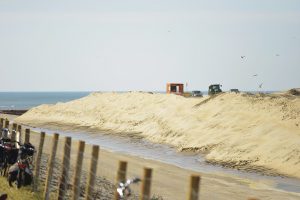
(253, 132)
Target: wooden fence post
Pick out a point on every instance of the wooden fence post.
(1, 123)
(146, 184)
(65, 169)
(13, 132)
(50, 166)
(20, 133)
(13, 136)
(77, 176)
(6, 124)
(38, 162)
(121, 176)
(1, 126)
(92, 173)
(14, 127)
(27, 135)
(194, 188)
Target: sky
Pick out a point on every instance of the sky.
(140, 45)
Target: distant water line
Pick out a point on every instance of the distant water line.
(27, 100)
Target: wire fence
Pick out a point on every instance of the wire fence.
(70, 169)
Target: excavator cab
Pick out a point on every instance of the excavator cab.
(214, 89)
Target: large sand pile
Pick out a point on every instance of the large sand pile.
(257, 132)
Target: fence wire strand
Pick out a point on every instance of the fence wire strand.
(105, 176)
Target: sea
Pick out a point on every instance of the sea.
(27, 100)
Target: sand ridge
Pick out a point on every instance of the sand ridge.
(259, 132)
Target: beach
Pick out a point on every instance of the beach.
(192, 125)
(168, 181)
(250, 132)
(197, 91)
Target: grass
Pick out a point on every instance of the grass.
(23, 193)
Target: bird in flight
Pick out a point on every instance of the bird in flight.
(242, 57)
(255, 75)
(260, 85)
(277, 55)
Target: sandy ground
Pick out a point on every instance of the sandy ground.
(169, 181)
(253, 132)
(7, 116)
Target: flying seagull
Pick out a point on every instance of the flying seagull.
(242, 57)
(260, 85)
(277, 55)
(255, 75)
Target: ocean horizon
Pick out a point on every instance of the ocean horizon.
(26, 100)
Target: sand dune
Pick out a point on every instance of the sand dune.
(259, 132)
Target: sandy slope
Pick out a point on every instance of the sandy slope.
(257, 132)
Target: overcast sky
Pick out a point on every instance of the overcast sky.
(143, 44)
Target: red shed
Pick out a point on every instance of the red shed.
(175, 88)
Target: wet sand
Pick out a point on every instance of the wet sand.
(169, 181)
(172, 182)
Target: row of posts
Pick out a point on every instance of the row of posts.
(4, 123)
(121, 173)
